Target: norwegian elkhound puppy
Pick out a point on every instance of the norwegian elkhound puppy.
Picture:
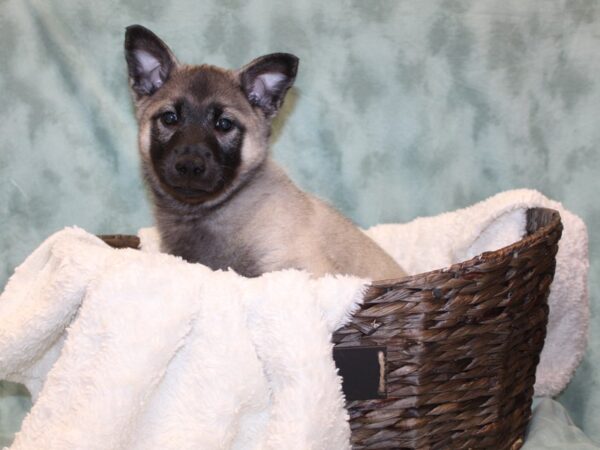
(219, 199)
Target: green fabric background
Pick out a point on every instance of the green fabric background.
(401, 109)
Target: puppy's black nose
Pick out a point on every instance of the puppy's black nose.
(190, 166)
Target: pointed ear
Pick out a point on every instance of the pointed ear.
(149, 60)
(266, 80)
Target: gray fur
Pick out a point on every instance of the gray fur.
(256, 220)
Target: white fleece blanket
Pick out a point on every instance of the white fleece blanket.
(129, 350)
(430, 243)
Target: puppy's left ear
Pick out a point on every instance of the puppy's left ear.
(266, 80)
(149, 60)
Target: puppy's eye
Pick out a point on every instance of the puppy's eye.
(224, 124)
(169, 118)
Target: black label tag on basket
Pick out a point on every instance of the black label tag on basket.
(362, 370)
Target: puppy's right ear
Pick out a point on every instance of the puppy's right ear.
(266, 80)
(149, 60)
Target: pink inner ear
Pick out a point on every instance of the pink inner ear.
(147, 61)
(150, 66)
(267, 82)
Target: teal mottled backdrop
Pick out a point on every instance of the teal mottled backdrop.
(402, 109)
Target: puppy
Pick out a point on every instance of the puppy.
(219, 199)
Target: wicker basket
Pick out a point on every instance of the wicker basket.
(462, 345)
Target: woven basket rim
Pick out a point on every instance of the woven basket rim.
(374, 288)
(526, 241)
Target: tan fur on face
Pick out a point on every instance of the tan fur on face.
(144, 140)
(229, 92)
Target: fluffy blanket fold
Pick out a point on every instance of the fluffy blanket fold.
(124, 349)
(430, 243)
(117, 355)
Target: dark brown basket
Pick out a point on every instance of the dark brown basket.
(462, 345)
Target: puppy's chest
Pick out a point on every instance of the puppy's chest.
(216, 245)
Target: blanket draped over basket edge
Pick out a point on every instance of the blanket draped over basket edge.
(430, 243)
(446, 243)
(214, 360)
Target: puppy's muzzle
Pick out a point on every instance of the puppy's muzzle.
(191, 167)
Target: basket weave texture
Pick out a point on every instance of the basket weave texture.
(463, 344)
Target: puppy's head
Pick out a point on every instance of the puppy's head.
(203, 130)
